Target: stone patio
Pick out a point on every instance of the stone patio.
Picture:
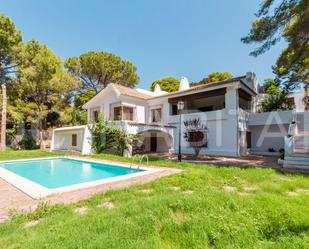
(12, 198)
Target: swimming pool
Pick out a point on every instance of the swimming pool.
(39, 178)
(61, 172)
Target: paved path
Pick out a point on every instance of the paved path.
(12, 198)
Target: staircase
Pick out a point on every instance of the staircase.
(297, 143)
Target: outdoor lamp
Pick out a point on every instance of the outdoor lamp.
(180, 106)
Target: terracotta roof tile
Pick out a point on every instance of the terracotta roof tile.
(131, 92)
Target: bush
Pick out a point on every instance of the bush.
(195, 134)
(106, 136)
(275, 103)
(15, 146)
(28, 143)
(282, 153)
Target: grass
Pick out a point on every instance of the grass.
(23, 154)
(203, 207)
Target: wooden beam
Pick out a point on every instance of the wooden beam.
(244, 95)
(200, 95)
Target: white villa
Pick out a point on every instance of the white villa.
(227, 108)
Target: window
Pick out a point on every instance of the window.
(174, 109)
(156, 115)
(127, 113)
(117, 113)
(123, 113)
(74, 139)
(96, 116)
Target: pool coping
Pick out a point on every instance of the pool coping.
(37, 191)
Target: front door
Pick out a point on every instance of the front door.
(153, 142)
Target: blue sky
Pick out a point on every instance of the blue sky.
(161, 37)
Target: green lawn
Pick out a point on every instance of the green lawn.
(21, 154)
(203, 207)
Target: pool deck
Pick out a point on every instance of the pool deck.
(11, 198)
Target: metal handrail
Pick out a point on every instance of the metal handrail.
(132, 160)
(140, 160)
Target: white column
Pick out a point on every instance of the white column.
(231, 98)
(52, 146)
(230, 136)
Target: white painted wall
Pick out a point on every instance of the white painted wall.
(299, 101)
(265, 137)
(158, 103)
(268, 130)
(111, 100)
(223, 135)
(278, 117)
(63, 140)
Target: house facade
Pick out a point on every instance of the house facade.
(228, 109)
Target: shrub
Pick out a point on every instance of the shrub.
(276, 102)
(282, 153)
(103, 135)
(28, 142)
(106, 135)
(195, 134)
(124, 140)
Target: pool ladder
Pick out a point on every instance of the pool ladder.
(140, 160)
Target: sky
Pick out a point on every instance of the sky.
(160, 37)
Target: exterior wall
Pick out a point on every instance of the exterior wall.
(264, 138)
(111, 100)
(222, 140)
(299, 101)
(158, 103)
(278, 117)
(222, 125)
(164, 140)
(268, 130)
(63, 140)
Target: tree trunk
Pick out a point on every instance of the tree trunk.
(41, 140)
(306, 98)
(3, 118)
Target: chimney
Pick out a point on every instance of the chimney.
(252, 81)
(157, 89)
(184, 84)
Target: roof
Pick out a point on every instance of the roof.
(134, 93)
(127, 91)
(204, 86)
(131, 92)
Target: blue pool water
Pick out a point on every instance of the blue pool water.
(61, 172)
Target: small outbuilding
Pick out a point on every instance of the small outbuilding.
(72, 139)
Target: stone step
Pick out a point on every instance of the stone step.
(302, 133)
(295, 170)
(301, 147)
(300, 154)
(295, 163)
(301, 151)
(297, 158)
